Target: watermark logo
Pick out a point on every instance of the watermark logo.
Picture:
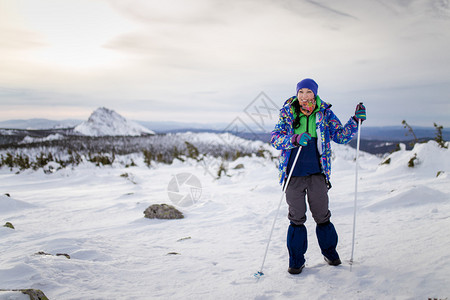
(211, 166)
(253, 124)
(184, 189)
(236, 129)
(262, 111)
(236, 138)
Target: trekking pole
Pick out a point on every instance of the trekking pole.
(356, 191)
(260, 272)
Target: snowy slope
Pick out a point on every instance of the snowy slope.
(106, 122)
(96, 216)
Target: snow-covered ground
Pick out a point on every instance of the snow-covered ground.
(95, 214)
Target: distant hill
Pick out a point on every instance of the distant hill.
(106, 122)
(39, 124)
(376, 133)
(398, 133)
(387, 133)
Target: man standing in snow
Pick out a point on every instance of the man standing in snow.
(307, 124)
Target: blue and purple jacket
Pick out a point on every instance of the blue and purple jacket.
(328, 128)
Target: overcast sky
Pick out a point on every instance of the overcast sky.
(206, 61)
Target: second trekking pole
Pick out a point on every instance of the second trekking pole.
(356, 191)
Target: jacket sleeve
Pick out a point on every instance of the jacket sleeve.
(338, 133)
(282, 134)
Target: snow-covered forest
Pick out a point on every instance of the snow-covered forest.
(58, 153)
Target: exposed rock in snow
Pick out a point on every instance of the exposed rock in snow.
(31, 294)
(106, 122)
(163, 211)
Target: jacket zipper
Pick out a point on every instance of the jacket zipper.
(307, 124)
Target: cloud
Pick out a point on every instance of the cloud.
(18, 40)
(202, 54)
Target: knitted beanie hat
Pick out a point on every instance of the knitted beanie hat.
(309, 84)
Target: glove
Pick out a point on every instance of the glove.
(360, 113)
(301, 139)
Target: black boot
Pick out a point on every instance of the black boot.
(294, 271)
(335, 262)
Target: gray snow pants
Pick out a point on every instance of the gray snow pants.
(315, 187)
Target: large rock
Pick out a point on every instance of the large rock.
(162, 211)
(32, 293)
